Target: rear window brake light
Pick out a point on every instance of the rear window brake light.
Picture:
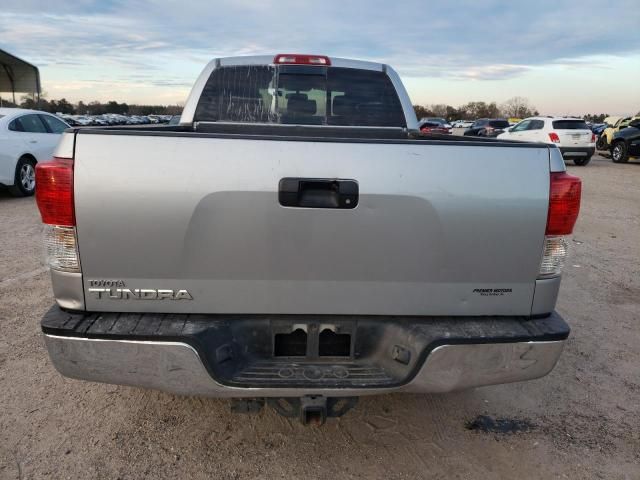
(299, 59)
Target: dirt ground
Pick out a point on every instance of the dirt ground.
(584, 418)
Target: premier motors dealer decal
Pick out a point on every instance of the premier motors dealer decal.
(116, 290)
(492, 292)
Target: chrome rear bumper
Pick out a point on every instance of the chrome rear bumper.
(176, 367)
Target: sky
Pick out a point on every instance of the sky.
(565, 56)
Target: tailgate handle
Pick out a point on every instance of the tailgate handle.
(318, 193)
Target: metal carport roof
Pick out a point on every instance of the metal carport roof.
(19, 76)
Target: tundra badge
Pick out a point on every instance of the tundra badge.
(140, 294)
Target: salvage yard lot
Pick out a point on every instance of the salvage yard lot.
(581, 421)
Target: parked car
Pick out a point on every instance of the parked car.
(108, 119)
(433, 127)
(68, 119)
(83, 120)
(572, 135)
(26, 138)
(626, 142)
(465, 124)
(306, 251)
(440, 121)
(174, 120)
(604, 141)
(597, 128)
(487, 127)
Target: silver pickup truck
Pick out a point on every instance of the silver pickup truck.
(295, 240)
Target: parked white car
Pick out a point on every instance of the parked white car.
(572, 135)
(464, 124)
(26, 138)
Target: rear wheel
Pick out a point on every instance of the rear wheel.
(620, 153)
(24, 183)
(581, 162)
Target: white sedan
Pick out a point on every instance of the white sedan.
(26, 138)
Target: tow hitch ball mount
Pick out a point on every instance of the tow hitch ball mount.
(310, 409)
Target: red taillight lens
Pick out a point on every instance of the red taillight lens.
(54, 192)
(297, 59)
(553, 136)
(593, 138)
(564, 203)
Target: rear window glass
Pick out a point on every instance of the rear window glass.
(28, 123)
(239, 94)
(570, 125)
(16, 126)
(300, 95)
(499, 123)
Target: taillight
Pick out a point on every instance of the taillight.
(564, 205)
(553, 136)
(60, 246)
(54, 196)
(298, 59)
(593, 138)
(54, 192)
(554, 255)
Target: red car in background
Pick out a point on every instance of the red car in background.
(434, 128)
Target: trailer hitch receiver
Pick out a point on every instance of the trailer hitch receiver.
(312, 409)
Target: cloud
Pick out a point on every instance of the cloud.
(492, 72)
(173, 39)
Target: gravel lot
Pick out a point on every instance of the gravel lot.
(583, 419)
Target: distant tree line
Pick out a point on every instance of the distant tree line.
(93, 108)
(595, 117)
(516, 107)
